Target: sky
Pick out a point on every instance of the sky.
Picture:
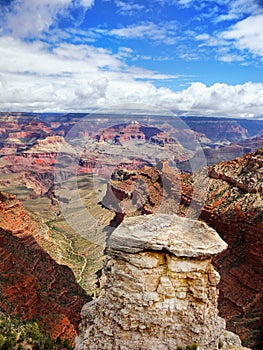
(190, 57)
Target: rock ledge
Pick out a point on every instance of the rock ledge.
(181, 237)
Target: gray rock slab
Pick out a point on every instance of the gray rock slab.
(180, 236)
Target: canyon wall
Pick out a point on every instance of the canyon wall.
(32, 285)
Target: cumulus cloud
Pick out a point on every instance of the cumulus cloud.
(247, 34)
(221, 99)
(86, 3)
(73, 75)
(239, 42)
(95, 91)
(81, 78)
(234, 8)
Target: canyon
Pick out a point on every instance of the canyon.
(125, 168)
(33, 286)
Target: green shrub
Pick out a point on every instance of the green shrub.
(18, 334)
(191, 347)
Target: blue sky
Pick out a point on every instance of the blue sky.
(192, 57)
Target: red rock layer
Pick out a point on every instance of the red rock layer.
(25, 128)
(32, 284)
(133, 131)
(235, 206)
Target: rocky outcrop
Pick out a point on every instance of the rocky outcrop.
(244, 173)
(34, 167)
(233, 206)
(229, 138)
(151, 189)
(14, 218)
(133, 131)
(161, 289)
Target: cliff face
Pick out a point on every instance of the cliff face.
(234, 150)
(32, 284)
(34, 167)
(161, 289)
(233, 207)
(21, 129)
(27, 167)
(214, 129)
(160, 136)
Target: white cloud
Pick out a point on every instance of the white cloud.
(125, 52)
(128, 7)
(202, 37)
(39, 58)
(86, 3)
(81, 78)
(146, 74)
(29, 18)
(230, 58)
(247, 34)
(220, 100)
(165, 32)
(236, 9)
(242, 41)
(37, 76)
(232, 6)
(185, 2)
(244, 6)
(94, 91)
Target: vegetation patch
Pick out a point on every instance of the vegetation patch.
(26, 335)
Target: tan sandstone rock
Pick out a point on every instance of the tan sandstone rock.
(161, 289)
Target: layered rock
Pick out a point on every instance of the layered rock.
(22, 129)
(218, 129)
(233, 207)
(161, 289)
(133, 131)
(234, 150)
(32, 284)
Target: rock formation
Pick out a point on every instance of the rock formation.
(218, 129)
(29, 146)
(233, 207)
(161, 290)
(32, 284)
(224, 153)
(135, 131)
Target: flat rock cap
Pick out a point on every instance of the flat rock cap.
(180, 236)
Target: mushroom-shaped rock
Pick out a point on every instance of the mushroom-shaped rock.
(161, 290)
